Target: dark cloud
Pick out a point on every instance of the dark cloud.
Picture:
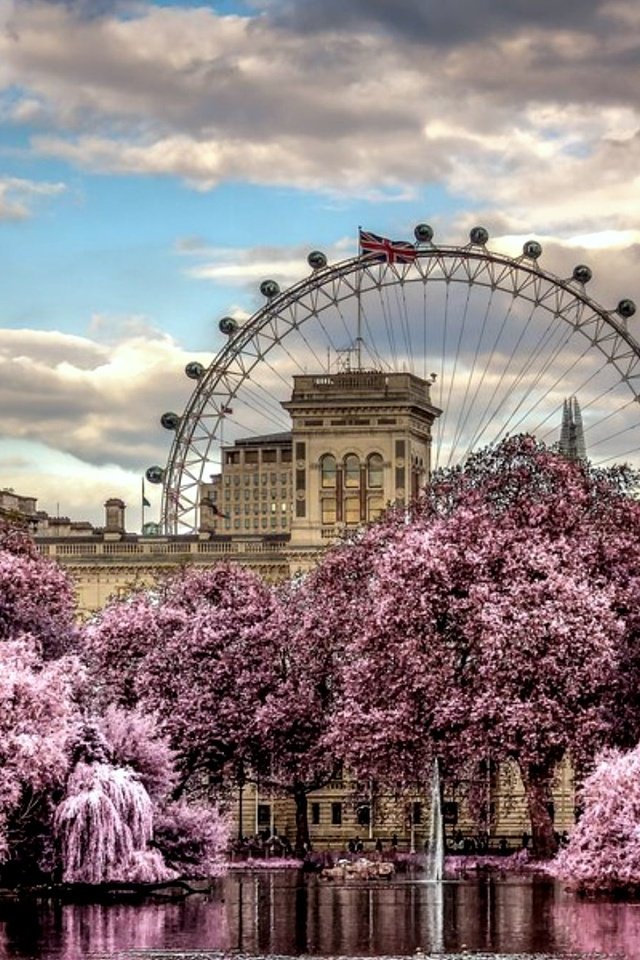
(86, 9)
(440, 23)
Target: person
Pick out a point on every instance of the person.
(351, 846)
(378, 845)
(525, 840)
(359, 845)
(503, 846)
(394, 842)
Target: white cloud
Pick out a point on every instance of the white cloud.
(99, 403)
(251, 265)
(65, 485)
(18, 196)
(81, 414)
(533, 115)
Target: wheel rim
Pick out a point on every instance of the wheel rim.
(532, 331)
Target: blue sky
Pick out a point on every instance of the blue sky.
(147, 148)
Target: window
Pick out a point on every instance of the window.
(269, 456)
(351, 471)
(416, 812)
(301, 450)
(328, 471)
(328, 510)
(364, 815)
(375, 507)
(251, 456)
(336, 814)
(450, 812)
(264, 814)
(374, 470)
(233, 456)
(352, 510)
(315, 813)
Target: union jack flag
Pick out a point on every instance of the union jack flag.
(389, 251)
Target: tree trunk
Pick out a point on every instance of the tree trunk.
(302, 820)
(537, 780)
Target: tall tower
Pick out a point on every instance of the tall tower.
(572, 443)
(361, 440)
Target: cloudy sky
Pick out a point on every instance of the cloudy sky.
(158, 159)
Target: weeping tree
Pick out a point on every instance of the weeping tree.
(116, 822)
(105, 826)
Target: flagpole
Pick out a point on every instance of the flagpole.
(143, 503)
(359, 308)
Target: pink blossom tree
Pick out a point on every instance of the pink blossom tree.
(487, 629)
(36, 596)
(200, 654)
(116, 822)
(117, 641)
(295, 718)
(603, 855)
(38, 722)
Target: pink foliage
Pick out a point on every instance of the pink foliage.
(221, 627)
(603, 855)
(118, 640)
(38, 721)
(296, 715)
(36, 597)
(104, 827)
(135, 741)
(192, 838)
(484, 622)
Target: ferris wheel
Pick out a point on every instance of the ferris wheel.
(503, 341)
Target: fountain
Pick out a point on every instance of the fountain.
(435, 850)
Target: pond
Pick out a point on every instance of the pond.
(287, 914)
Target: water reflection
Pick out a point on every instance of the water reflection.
(290, 914)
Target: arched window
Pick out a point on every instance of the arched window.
(351, 471)
(328, 471)
(374, 470)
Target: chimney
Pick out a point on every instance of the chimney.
(114, 517)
